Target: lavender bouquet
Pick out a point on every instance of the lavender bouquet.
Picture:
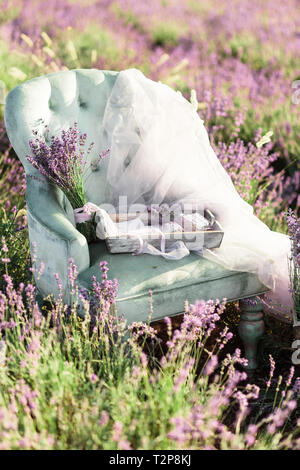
(294, 265)
(64, 162)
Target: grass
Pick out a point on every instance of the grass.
(69, 383)
(15, 67)
(76, 48)
(166, 33)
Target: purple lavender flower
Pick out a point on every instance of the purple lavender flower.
(64, 163)
(211, 365)
(272, 369)
(294, 264)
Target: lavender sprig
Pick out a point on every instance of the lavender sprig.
(64, 162)
(294, 265)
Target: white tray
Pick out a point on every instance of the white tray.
(210, 237)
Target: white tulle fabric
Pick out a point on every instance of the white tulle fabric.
(160, 153)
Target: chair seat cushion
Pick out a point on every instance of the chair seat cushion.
(172, 282)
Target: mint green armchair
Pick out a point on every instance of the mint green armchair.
(58, 100)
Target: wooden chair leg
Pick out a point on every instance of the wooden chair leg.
(251, 328)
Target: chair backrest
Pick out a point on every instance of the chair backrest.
(58, 100)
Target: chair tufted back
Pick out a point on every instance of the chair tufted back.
(58, 100)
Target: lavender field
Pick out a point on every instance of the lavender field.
(68, 383)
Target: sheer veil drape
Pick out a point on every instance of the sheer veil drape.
(160, 152)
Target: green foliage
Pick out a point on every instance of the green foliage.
(68, 383)
(287, 143)
(13, 234)
(14, 66)
(166, 33)
(91, 39)
(248, 49)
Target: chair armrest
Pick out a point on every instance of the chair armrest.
(52, 231)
